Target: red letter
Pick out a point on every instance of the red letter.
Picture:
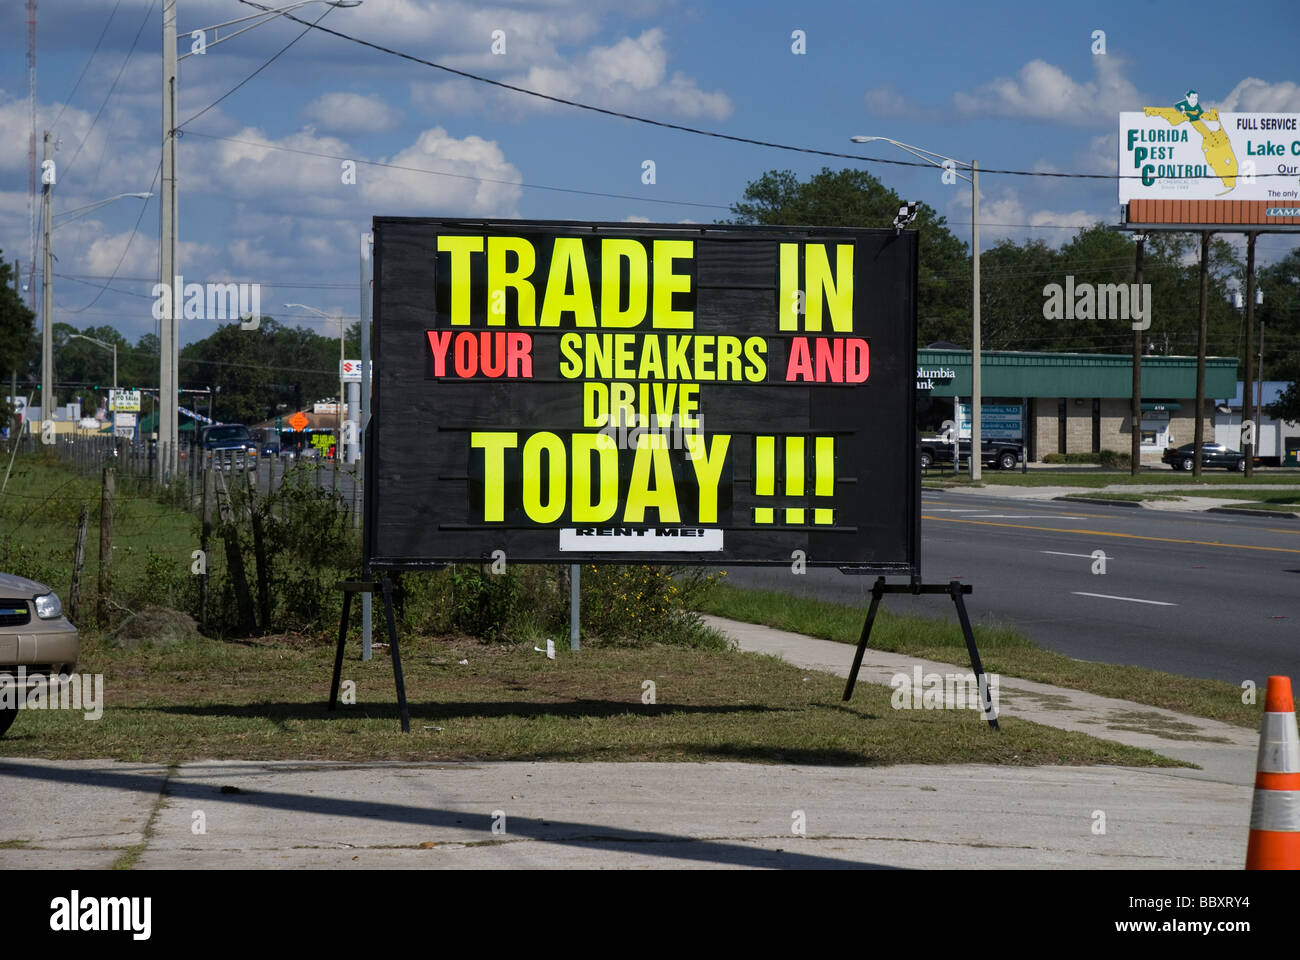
(438, 343)
(520, 355)
(466, 354)
(800, 365)
(493, 348)
(830, 359)
(859, 366)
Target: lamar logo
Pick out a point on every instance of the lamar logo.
(73, 914)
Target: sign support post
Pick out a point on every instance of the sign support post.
(954, 589)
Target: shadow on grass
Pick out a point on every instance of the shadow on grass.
(456, 710)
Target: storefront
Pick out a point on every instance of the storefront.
(1071, 402)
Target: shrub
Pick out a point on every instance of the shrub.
(1054, 458)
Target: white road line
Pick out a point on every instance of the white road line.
(1013, 516)
(952, 509)
(1085, 556)
(1106, 596)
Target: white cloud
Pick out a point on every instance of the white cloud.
(408, 193)
(1254, 95)
(631, 74)
(1042, 91)
(884, 100)
(352, 113)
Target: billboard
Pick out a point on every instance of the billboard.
(618, 392)
(1246, 164)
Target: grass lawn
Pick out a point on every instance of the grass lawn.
(1003, 650)
(1289, 499)
(1105, 478)
(266, 700)
(38, 525)
(1130, 497)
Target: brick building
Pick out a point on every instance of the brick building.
(1073, 402)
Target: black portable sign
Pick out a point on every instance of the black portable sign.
(614, 392)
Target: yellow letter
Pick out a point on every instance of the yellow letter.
(708, 462)
(498, 278)
(612, 252)
(494, 470)
(584, 444)
(651, 453)
(667, 283)
(838, 288)
(555, 475)
(787, 306)
(571, 365)
(568, 259)
(460, 248)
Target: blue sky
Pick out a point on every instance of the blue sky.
(1014, 85)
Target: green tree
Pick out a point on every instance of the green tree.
(1279, 312)
(17, 333)
(855, 198)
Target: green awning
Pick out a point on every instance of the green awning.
(1162, 405)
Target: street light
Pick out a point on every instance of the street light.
(338, 447)
(977, 389)
(106, 346)
(97, 204)
(169, 340)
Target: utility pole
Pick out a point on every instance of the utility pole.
(366, 240)
(31, 151)
(1248, 410)
(1135, 411)
(47, 297)
(167, 412)
(976, 384)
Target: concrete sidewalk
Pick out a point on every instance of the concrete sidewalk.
(312, 815)
(1225, 752)
(286, 815)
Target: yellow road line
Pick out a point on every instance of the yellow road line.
(1107, 533)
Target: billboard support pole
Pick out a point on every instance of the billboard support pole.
(575, 605)
(365, 586)
(1199, 432)
(957, 591)
(366, 240)
(1248, 411)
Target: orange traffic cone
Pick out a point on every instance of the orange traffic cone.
(1275, 814)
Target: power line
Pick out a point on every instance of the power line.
(86, 66)
(701, 132)
(458, 176)
(135, 229)
(113, 86)
(327, 12)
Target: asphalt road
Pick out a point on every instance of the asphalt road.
(1197, 594)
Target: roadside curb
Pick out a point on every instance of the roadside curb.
(1100, 500)
(1247, 512)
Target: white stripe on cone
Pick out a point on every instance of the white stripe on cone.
(1279, 744)
(1275, 810)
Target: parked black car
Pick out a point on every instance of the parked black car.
(1212, 455)
(1005, 454)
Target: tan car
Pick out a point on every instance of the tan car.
(34, 636)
